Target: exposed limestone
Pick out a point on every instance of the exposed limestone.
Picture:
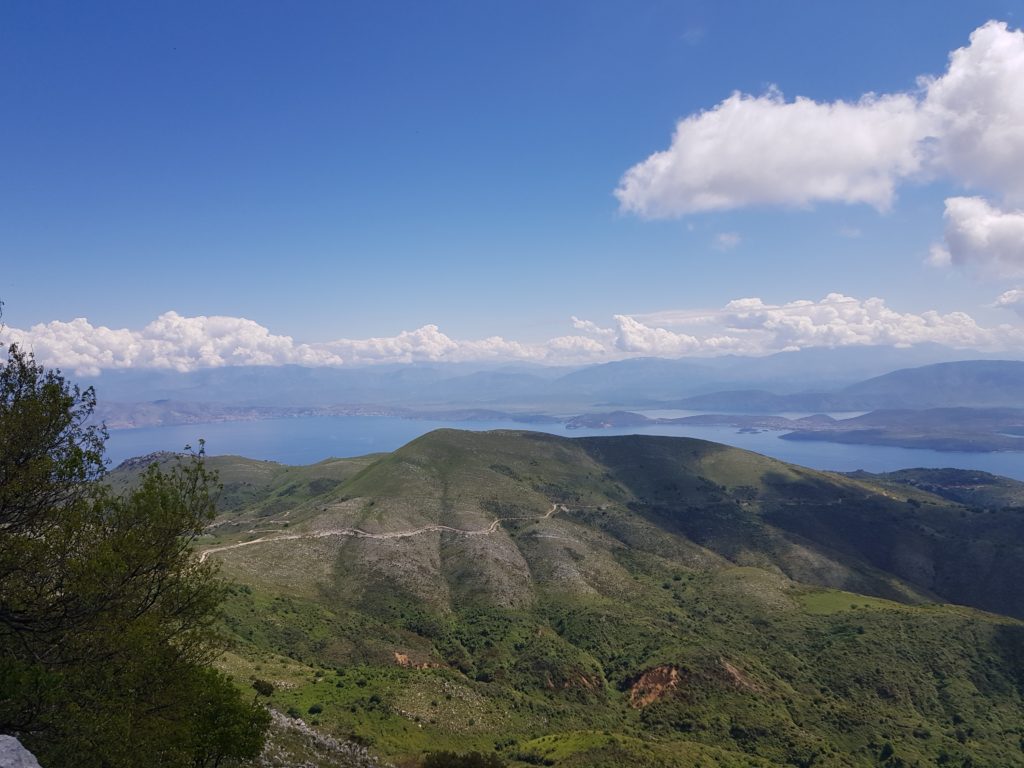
(13, 755)
(653, 685)
(313, 749)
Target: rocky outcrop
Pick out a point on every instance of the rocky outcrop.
(656, 683)
(13, 755)
(403, 660)
(309, 748)
(653, 685)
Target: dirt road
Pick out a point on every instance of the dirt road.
(361, 534)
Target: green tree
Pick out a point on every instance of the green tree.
(455, 760)
(107, 619)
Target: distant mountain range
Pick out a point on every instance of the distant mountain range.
(962, 384)
(778, 380)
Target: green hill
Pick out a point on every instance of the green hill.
(626, 601)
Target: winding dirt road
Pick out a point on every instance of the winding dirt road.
(361, 534)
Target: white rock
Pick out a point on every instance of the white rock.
(13, 755)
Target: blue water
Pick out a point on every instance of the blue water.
(308, 440)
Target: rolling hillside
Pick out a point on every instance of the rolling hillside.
(626, 601)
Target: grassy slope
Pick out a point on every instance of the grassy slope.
(722, 571)
(980, 490)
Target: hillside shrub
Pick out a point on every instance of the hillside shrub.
(467, 760)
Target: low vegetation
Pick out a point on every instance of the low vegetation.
(684, 604)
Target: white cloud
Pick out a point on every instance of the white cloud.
(188, 343)
(755, 327)
(939, 256)
(426, 344)
(171, 341)
(983, 237)
(592, 328)
(726, 241)
(977, 108)
(1012, 300)
(765, 150)
(746, 326)
(635, 338)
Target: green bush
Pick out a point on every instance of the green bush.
(467, 760)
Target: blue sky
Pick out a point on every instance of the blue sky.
(353, 170)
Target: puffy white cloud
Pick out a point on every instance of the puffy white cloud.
(752, 326)
(939, 256)
(636, 338)
(977, 111)
(592, 328)
(567, 349)
(427, 344)
(188, 343)
(765, 150)
(170, 341)
(980, 236)
(1012, 300)
(746, 326)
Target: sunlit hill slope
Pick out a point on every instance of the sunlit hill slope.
(628, 601)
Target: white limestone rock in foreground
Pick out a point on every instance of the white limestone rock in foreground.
(13, 755)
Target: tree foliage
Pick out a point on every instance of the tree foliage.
(107, 619)
(467, 760)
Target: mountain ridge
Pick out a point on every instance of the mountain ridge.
(628, 601)
(965, 383)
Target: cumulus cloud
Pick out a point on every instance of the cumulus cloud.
(1012, 300)
(977, 110)
(746, 326)
(939, 256)
(752, 326)
(174, 342)
(426, 344)
(765, 150)
(171, 341)
(635, 338)
(980, 236)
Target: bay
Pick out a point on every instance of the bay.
(312, 439)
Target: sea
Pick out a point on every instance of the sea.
(312, 439)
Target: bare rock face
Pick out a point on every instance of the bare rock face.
(654, 684)
(13, 755)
